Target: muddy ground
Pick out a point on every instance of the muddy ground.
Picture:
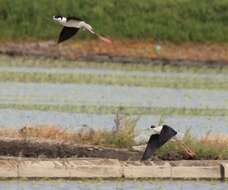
(53, 149)
(45, 149)
(123, 51)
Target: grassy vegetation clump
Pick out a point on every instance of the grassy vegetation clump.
(124, 132)
(173, 20)
(121, 136)
(209, 147)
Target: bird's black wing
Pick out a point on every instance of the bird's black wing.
(66, 33)
(157, 140)
(166, 134)
(152, 146)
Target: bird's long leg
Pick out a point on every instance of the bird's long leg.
(187, 149)
(104, 39)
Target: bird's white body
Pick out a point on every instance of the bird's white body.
(74, 23)
(157, 130)
(142, 138)
(72, 26)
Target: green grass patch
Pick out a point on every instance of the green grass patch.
(173, 20)
(116, 109)
(61, 63)
(169, 82)
(123, 134)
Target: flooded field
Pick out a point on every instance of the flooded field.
(199, 125)
(87, 94)
(112, 185)
(33, 94)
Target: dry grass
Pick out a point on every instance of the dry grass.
(46, 131)
(121, 136)
(52, 132)
(208, 147)
(215, 139)
(9, 133)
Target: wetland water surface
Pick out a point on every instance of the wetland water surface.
(199, 125)
(112, 185)
(85, 94)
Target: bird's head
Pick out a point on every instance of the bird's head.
(156, 129)
(152, 126)
(60, 19)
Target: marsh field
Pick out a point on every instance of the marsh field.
(168, 64)
(72, 96)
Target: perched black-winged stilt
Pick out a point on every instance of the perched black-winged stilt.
(71, 26)
(161, 135)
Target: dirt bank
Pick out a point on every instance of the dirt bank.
(33, 148)
(124, 51)
(54, 149)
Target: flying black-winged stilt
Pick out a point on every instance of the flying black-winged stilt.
(161, 135)
(71, 25)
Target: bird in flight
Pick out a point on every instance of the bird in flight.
(161, 135)
(71, 25)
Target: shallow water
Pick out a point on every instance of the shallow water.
(199, 125)
(85, 94)
(112, 185)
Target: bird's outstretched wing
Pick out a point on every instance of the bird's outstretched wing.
(157, 140)
(166, 134)
(152, 145)
(66, 33)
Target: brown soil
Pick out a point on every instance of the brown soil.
(122, 51)
(53, 149)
